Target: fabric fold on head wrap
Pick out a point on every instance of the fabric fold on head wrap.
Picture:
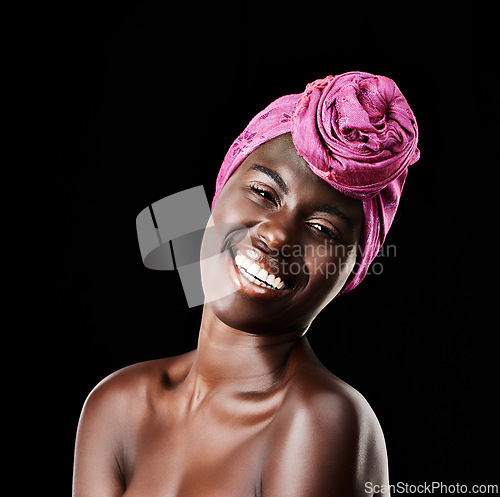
(357, 132)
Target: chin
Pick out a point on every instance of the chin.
(250, 317)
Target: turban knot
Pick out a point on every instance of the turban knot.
(356, 131)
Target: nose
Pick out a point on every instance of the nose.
(278, 234)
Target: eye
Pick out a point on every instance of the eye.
(266, 193)
(324, 230)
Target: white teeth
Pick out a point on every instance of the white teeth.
(252, 271)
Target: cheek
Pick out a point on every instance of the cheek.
(234, 206)
(216, 260)
(328, 270)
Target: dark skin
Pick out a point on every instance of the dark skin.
(252, 411)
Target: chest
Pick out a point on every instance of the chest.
(198, 457)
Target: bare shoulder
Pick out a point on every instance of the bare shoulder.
(315, 391)
(128, 389)
(110, 422)
(333, 424)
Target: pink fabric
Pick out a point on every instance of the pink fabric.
(357, 132)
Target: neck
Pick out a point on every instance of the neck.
(231, 359)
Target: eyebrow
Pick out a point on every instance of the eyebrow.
(329, 209)
(273, 175)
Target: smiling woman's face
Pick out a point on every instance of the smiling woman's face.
(289, 242)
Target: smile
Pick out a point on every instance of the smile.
(256, 274)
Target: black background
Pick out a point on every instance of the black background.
(148, 100)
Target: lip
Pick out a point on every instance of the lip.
(248, 288)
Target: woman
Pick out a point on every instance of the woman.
(304, 199)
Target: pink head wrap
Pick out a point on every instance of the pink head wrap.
(357, 132)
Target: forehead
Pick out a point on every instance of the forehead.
(281, 155)
(279, 151)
